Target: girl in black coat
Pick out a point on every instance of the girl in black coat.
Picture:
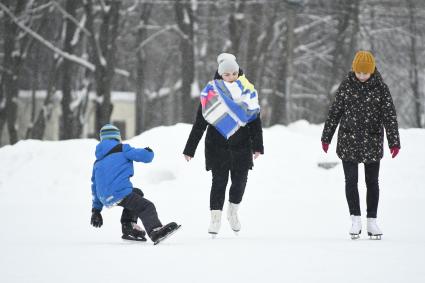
(363, 107)
(223, 156)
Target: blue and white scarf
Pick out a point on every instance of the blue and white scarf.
(229, 107)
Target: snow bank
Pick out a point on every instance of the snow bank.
(294, 215)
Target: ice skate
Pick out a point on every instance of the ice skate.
(373, 230)
(356, 227)
(161, 233)
(232, 216)
(215, 223)
(132, 232)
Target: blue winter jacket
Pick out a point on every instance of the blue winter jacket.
(111, 173)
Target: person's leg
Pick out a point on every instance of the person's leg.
(372, 184)
(236, 192)
(351, 190)
(218, 189)
(127, 216)
(144, 209)
(237, 189)
(218, 193)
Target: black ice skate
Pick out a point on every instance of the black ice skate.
(161, 233)
(132, 232)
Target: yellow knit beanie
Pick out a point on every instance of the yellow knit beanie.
(364, 62)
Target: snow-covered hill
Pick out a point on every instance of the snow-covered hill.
(294, 216)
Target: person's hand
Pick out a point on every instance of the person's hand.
(256, 154)
(148, 149)
(187, 157)
(394, 151)
(96, 218)
(325, 147)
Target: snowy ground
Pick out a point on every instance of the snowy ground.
(294, 216)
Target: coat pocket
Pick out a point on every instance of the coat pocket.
(347, 130)
(375, 130)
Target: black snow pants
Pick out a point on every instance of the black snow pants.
(136, 206)
(220, 178)
(372, 185)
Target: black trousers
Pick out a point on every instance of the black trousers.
(220, 178)
(136, 206)
(372, 184)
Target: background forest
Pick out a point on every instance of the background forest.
(161, 53)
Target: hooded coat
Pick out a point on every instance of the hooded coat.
(362, 110)
(112, 172)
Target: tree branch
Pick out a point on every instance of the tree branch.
(78, 60)
(74, 20)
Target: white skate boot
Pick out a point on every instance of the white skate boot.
(215, 223)
(356, 227)
(232, 216)
(373, 230)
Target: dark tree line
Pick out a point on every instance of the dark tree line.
(295, 52)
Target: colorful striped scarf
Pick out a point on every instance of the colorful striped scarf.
(225, 113)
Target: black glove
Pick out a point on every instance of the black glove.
(96, 218)
(148, 149)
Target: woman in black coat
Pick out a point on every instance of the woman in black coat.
(363, 107)
(223, 156)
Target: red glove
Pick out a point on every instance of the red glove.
(325, 147)
(394, 151)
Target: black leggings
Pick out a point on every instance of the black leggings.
(352, 193)
(135, 205)
(220, 178)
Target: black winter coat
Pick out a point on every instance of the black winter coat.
(234, 153)
(362, 110)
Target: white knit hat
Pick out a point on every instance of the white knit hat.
(227, 63)
(225, 56)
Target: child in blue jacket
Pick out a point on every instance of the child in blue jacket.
(111, 186)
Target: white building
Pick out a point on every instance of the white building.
(123, 114)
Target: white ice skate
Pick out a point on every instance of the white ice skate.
(232, 216)
(373, 230)
(356, 227)
(215, 223)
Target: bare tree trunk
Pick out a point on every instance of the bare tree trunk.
(141, 63)
(236, 25)
(34, 87)
(104, 51)
(337, 69)
(354, 13)
(185, 21)
(81, 112)
(2, 109)
(373, 27)
(277, 99)
(68, 125)
(254, 27)
(11, 64)
(264, 52)
(413, 72)
(44, 114)
(289, 74)
(281, 102)
(347, 29)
